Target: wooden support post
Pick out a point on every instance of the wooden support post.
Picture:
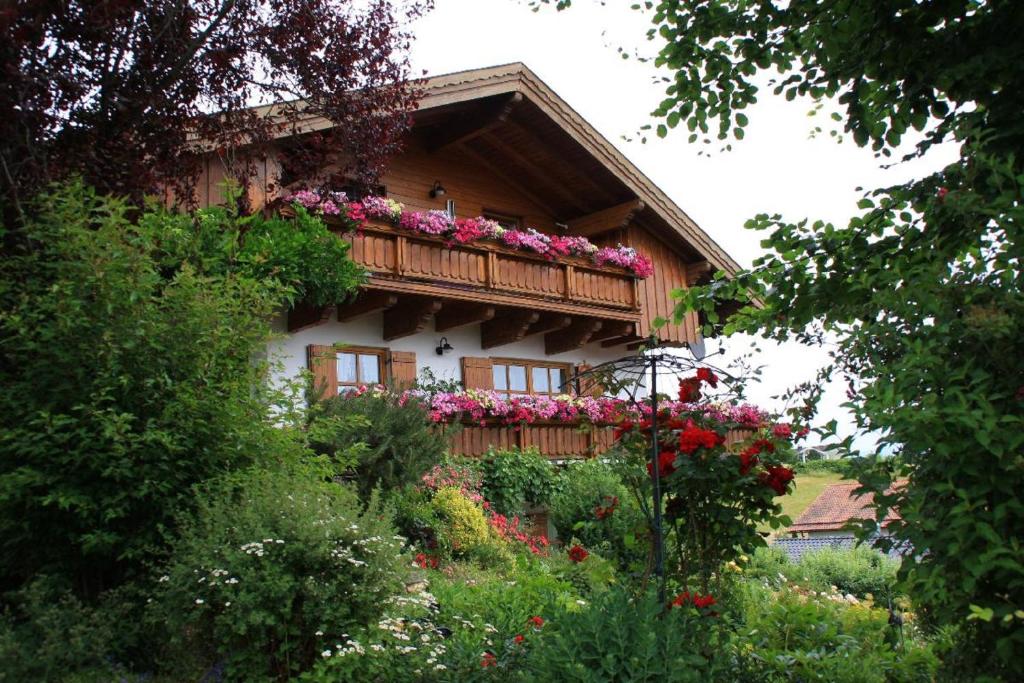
(455, 316)
(612, 329)
(508, 328)
(612, 218)
(409, 317)
(549, 323)
(304, 316)
(368, 301)
(572, 337)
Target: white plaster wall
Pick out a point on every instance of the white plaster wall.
(367, 331)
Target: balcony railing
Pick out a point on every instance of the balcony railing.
(555, 440)
(400, 260)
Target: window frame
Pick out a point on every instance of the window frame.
(382, 365)
(500, 217)
(530, 365)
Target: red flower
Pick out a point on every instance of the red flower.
(942, 193)
(700, 602)
(782, 431)
(578, 554)
(694, 437)
(602, 511)
(777, 478)
(624, 427)
(538, 622)
(518, 640)
(488, 660)
(804, 431)
(681, 599)
(748, 460)
(705, 375)
(689, 390)
(666, 464)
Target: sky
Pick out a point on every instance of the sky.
(778, 167)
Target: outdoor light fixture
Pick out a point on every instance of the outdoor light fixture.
(437, 190)
(443, 346)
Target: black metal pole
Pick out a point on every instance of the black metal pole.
(659, 550)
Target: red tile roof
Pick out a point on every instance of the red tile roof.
(836, 506)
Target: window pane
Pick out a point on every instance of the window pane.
(346, 367)
(556, 381)
(369, 368)
(540, 380)
(499, 377)
(517, 378)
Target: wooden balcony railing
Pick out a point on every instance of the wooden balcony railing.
(556, 440)
(400, 260)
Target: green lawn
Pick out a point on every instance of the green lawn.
(807, 488)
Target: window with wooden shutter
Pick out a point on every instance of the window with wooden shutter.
(477, 373)
(403, 370)
(588, 386)
(324, 366)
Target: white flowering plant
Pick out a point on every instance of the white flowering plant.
(273, 564)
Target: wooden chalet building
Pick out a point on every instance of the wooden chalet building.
(502, 145)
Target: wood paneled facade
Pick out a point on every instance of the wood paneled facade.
(501, 142)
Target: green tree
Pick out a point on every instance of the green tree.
(130, 360)
(922, 290)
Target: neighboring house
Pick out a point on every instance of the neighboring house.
(825, 523)
(498, 143)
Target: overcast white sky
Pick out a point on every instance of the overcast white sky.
(776, 168)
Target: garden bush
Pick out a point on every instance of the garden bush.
(847, 467)
(791, 634)
(49, 634)
(394, 443)
(591, 504)
(621, 638)
(129, 374)
(273, 562)
(464, 531)
(515, 479)
(859, 571)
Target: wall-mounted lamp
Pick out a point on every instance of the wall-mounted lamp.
(443, 346)
(437, 190)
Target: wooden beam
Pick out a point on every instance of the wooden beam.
(611, 329)
(474, 125)
(612, 218)
(455, 316)
(550, 322)
(619, 341)
(304, 316)
(510, 327)
(368, 301)
(534, 174)
(409, 317)
(507, 179)
(572, 337)
(696, 271)
(546, 141)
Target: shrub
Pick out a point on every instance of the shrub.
(787, 635)
(396, 441)
(859, 571)
(621, 638)
(272, 562)
(512, 479)
(129, 374)
(591, 504)
(847, 467)
(48, 634)
(463, 529)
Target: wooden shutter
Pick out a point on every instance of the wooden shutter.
(323, 363)
(588, 386)
(477, 373)
(403, 369)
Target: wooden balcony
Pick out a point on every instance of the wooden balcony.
(555, 440)
(415, 278)
(404, 261)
